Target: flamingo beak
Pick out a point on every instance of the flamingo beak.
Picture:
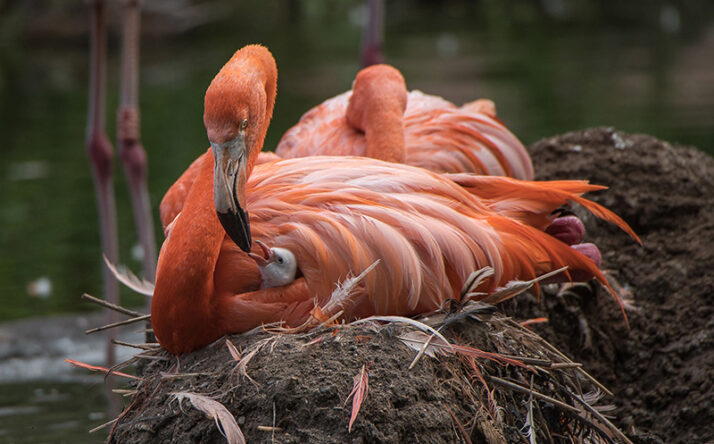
(229, 178)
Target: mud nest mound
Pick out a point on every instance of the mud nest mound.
(502, 381)
(296, 388)
(662, 369)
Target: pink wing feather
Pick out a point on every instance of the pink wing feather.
(439, 137)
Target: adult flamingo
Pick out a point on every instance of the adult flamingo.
(338, 215)
(378, 118)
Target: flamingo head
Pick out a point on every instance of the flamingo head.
(376, 89)
(237, 110)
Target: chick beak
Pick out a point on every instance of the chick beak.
(267, 257)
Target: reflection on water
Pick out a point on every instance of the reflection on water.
(44, 412)
(52, 412)
(42, 398)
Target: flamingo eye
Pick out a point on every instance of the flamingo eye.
(243, 124)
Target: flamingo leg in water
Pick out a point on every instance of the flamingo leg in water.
(100, 153)
(131, 151)
(373, 34)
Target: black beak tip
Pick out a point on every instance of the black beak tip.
(237, 227)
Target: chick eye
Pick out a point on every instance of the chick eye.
(243, 124)
(280, 260)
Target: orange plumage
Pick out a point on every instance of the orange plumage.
(338, 215)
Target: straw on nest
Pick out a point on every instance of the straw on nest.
(470, 374)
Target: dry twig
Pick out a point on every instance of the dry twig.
(539, 395)
(145, 346)
(103, 303)
(118, 324)
(101, 426)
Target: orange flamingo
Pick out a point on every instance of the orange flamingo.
(337, 215)
(380, 119)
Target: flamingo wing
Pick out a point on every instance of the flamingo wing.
(323, 130)
(534, 202)
(338, 215)
(173, 201)
(447, 139)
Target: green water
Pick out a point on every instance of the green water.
(547, 72)
(51, 412)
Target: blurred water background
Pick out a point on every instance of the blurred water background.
(551, 66)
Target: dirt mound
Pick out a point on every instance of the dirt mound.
(296, 388)
(660, 370)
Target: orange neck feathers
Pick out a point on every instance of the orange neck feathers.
(198, 267)
(376, 107)
(184, 278)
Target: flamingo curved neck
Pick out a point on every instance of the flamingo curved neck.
(184, 280)
(384, 132)
(376, 107)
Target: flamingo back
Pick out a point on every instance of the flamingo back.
(439, 136)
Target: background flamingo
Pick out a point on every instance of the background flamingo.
(131, 150)
(371, 121)
(100, 153)
(338, 215)
(379, 119)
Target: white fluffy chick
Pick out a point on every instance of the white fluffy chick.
(278, 266)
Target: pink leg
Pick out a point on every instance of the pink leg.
(373, 34)
(131, 151)
(589, 250)
(568, 229)
(100, 153)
